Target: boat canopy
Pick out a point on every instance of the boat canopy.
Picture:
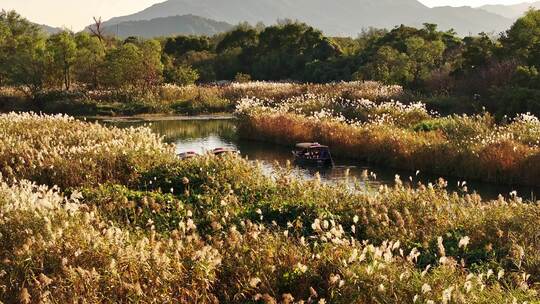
(310, 146)
(225, 149)
(219, 151)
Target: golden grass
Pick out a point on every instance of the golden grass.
(58, 250)
(59, 150)
(217, 230)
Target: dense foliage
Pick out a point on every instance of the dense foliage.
(217, 230)
(500, 73)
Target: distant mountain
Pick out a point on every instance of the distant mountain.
(337, 17)
(511, 11)
(49, 29)
(168, 26)
(466, 20)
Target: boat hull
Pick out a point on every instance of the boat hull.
(327, 162)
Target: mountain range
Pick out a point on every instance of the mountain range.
(168, 26)
(49, 29)
(511, 11)
(338, 17)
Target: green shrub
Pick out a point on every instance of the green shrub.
(181, 75)
(428, 126)
(242, 78)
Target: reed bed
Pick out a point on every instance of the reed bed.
(234, 92)
(402, 136)
(58, 249)
(218, 230)
(60, 150)
(186, 100)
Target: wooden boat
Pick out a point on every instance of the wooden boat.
(188, 155)
(225, 150)
(313, 154)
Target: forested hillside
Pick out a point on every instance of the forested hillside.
(168, 26)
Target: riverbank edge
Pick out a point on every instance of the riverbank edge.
(159, 117)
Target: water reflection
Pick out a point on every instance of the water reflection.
(205, 135)
(193, 130)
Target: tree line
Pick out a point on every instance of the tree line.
(502, 70)
(33, 61)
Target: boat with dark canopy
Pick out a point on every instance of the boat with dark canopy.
(313, 154)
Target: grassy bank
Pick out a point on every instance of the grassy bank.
(402, 136)
(182, 100)
(211, 230)
(60, 150)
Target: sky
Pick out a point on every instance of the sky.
(76, 14)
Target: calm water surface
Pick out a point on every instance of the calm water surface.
(204, 135)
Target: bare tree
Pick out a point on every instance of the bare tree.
(97, 29)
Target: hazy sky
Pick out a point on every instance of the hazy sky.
(75, 14)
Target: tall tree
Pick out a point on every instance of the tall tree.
(151, 66)
(524, 35)
(64, 51)
(241, 37)
(284, 51)
(4, 33)
(134, 67)
(388, 66)
(23, 53)
(122, 66)
(89, 62)
(181, 45)
(424, 57)
(477, 52)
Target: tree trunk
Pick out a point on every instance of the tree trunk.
(67, 81)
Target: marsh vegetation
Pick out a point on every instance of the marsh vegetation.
(217, 229)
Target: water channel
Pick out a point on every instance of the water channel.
(202, 135)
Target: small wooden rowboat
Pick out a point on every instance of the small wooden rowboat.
(188, 155)
(225, 150)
